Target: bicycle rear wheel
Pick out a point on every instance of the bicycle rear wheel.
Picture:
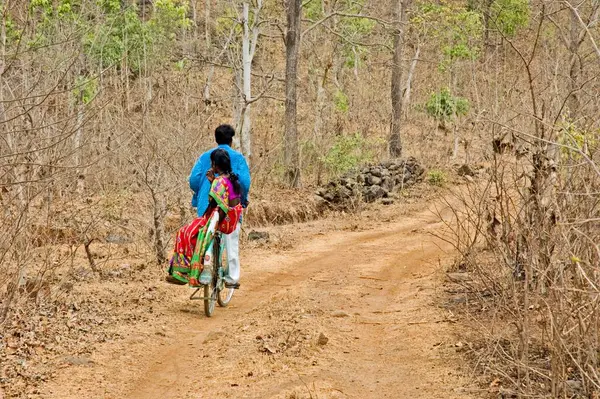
(225, 296)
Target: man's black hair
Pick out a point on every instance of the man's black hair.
(224, 134)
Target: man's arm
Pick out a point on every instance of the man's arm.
(245, 180)
(199, 173)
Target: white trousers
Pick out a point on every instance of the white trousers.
(232, 246)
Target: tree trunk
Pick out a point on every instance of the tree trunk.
(409, 78)
(456, 142)
(238, 108)
(292, 47)
(208, 44)
(158, 216)
(245, 132)
(317, 127)
(78, 144)
(395, 141)
(486, 24)
(575, 66)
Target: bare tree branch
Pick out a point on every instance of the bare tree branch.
(585, 27)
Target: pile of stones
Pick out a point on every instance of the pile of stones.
(373, 182)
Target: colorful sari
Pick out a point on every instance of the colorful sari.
(194, 242)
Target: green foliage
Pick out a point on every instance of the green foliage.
(443, 106)
(42, 6)
(54, 18)
(357, 27)
(354, 30)
(110, 6)
(227, 21)
(124, 39)
(349, 151)
(354, 55)
(48, 10)
(313, 9)
(458, 31)
(67, 8)
(169, 17)
(180, 65)
(85, 89)
(508, 16)
(341, 102)
(575, 141)
(436, 177)
(12, 31)
(122, 36)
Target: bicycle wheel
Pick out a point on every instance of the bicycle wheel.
(210, 294)
(225, 294)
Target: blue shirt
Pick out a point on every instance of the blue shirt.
(201, 186)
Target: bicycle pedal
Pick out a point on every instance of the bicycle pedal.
(234, 286)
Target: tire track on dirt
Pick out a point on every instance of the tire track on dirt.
(383, 278)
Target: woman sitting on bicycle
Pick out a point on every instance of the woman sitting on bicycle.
(195, 240)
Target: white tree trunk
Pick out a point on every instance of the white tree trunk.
(238, 108)
(319, 104)
(356, 62)
(318, 125)
(247, 56)
(78, 147)
(409, 79)
(456, 142)
(208, 44)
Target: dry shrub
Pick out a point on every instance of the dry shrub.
(533, 252)
(290, 206)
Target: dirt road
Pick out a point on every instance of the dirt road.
(347, 311)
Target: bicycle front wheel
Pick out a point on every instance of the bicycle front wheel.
(224, 294)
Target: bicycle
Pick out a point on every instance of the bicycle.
(216, 291)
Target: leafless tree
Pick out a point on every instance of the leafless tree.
(292, 48)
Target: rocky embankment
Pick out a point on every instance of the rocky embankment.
(373, 182)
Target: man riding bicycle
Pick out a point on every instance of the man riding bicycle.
(205, 194)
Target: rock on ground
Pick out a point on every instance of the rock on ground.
(371, 183)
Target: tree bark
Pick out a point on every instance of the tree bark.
(247, 56)
(318, 125)
(292, 47)
(576, 67)
(395, 140)
(409, 78)
(79, 146)
(208, 44)
(158, 216)
(238, 105)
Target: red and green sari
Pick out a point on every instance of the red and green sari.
(194, 241)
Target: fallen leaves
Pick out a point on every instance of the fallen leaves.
(63, 330)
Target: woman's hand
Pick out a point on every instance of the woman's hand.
(210, 175)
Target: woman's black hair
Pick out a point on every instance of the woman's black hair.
(220, 159)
